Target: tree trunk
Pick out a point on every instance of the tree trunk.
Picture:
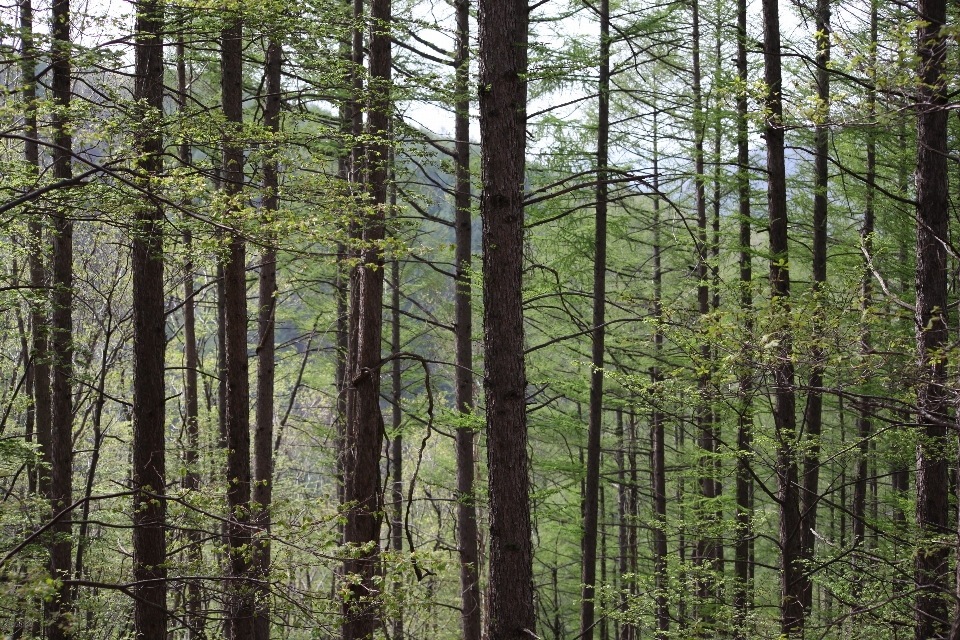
(266, 323)
(661, 578)
(61, 441)
(191, 481)
(239, 593)
(932, 210)
(595, 427)
(742, 586)
(503, 96)
(364, 423)
(813, 414)
(463, 324)
(396, 452)
(149, 339)
(793, 580)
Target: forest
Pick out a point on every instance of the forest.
(493, 320)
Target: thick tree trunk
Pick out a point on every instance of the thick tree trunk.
(463, 324)
(364, 431)
(813, 414)
(61, 338)
(595, 426)
(240, 608)
(266, 323)
(933, 559)
(503, 96)
(793, 580)
(149, 340)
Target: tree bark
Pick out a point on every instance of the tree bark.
(813, 414)
(793, 580)
(503, 96)
(661, 577)
(191, 480)
(396, 447)
(364, 430)
(240, 606)
(932, 210)
(742, 586)
(595, 425)
(266, 351)
(463, 324)
(61, 338)
(149, 338)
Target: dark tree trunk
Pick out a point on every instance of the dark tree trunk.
(705, 551)
(61, 441)
(239, 593)
(263, 436)
(742, 586)
(364, 422)
(396, 446)
(623, 531)
(463, 322)
(595, 427)
(191, 481)
(503, 97)
(793, 580)
(661, 578)
(932, 563)
(813, 414)
(149, 340)
(39, 326)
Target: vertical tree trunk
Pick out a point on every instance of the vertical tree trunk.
(595, 426)
(704, 550)
(793, 580)
(742, 585)
(932, 560)
(463, 323)
(396, 452)
(39, 325)
(149, 338)
(191, 361)
(266, 324)
(813, 414)
(240, 609)
(364, 422)
(61, 441)
(623, 539)
(659, 456)
(503, 96)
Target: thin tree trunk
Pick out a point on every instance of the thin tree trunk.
(364, 423)
(661, 578)
(240, 607)
(623, 536)
(813, 414)
(595, 426)
(39, 326)
(932, 210)
(61, 442)
(503, 95)
(266, 350)
(191, 481)
(793, 580)
(396, 452)
(463, 323)
(704, 550)
(742, 586)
